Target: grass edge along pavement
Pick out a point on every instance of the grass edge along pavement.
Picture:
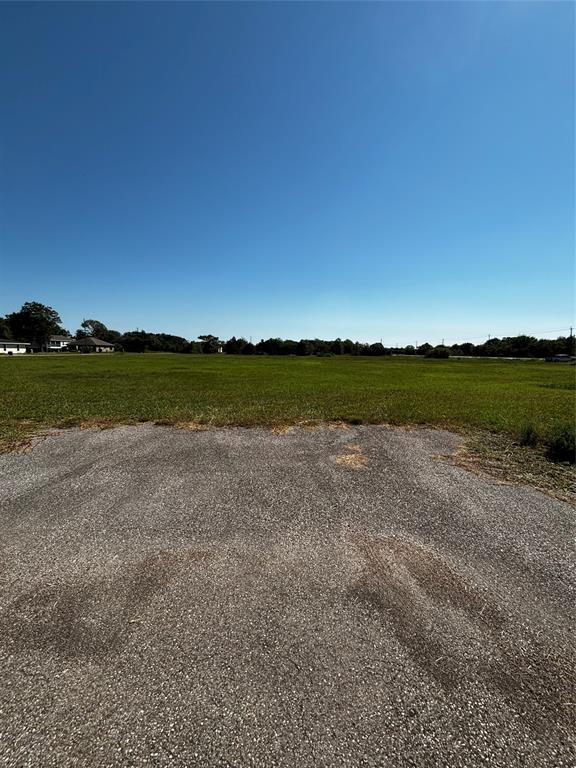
(495, 405)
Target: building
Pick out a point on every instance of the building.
(58, 343)
(90, 344)
(9, 347)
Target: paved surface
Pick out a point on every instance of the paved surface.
(237, 597)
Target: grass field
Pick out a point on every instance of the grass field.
(59, 390)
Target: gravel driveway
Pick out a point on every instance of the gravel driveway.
(337, 597)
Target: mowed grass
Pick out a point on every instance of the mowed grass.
(66, 390)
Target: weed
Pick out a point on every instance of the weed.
(528, 435)
(562, 444)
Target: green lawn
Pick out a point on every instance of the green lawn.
(62, 390)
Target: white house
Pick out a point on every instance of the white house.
(58, 343)
(9, 347)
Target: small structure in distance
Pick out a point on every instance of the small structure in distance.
(90, 344)
(58, 343)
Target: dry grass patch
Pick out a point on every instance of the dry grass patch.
(284, 429)
(355, 459)
(191, 426)
(352, 460)
(499, 456)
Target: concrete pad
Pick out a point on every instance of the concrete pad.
(336, 597)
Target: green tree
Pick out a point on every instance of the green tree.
(5, 332)
(210, 344)
(97, 329)
(35, 323)
(377, 349)
(135, 341)
(92, 328)
(235, 346)
(439, 352)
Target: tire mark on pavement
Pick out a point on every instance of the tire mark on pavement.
(93, 618)
(457, 632)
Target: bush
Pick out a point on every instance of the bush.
(562, 444)
(528, 435)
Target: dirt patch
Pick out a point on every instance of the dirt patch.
(284, 429)
(457, 631)
(354, 459)
(97, 424)
(192, 426)
(308, 426)
(94, 618)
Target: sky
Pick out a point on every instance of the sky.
(396, 171)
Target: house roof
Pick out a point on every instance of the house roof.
(91, 341)
(60, 338)
(14, 341)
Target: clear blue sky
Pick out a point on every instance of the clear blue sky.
(395, 170)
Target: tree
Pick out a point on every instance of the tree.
(97, 329)
(210, 344)
(92, 328)
(336, 347)
(305, 347)
(35, 323)
(134, 341)
(235, 346)
(5, 332)
(377, 349)
(440, 352)
(348, 347)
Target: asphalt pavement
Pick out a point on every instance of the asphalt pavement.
(328, 597)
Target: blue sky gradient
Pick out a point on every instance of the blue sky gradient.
(402, 171)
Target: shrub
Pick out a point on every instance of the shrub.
(528, 435)
(562, 444)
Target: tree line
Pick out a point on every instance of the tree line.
(35, 323)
